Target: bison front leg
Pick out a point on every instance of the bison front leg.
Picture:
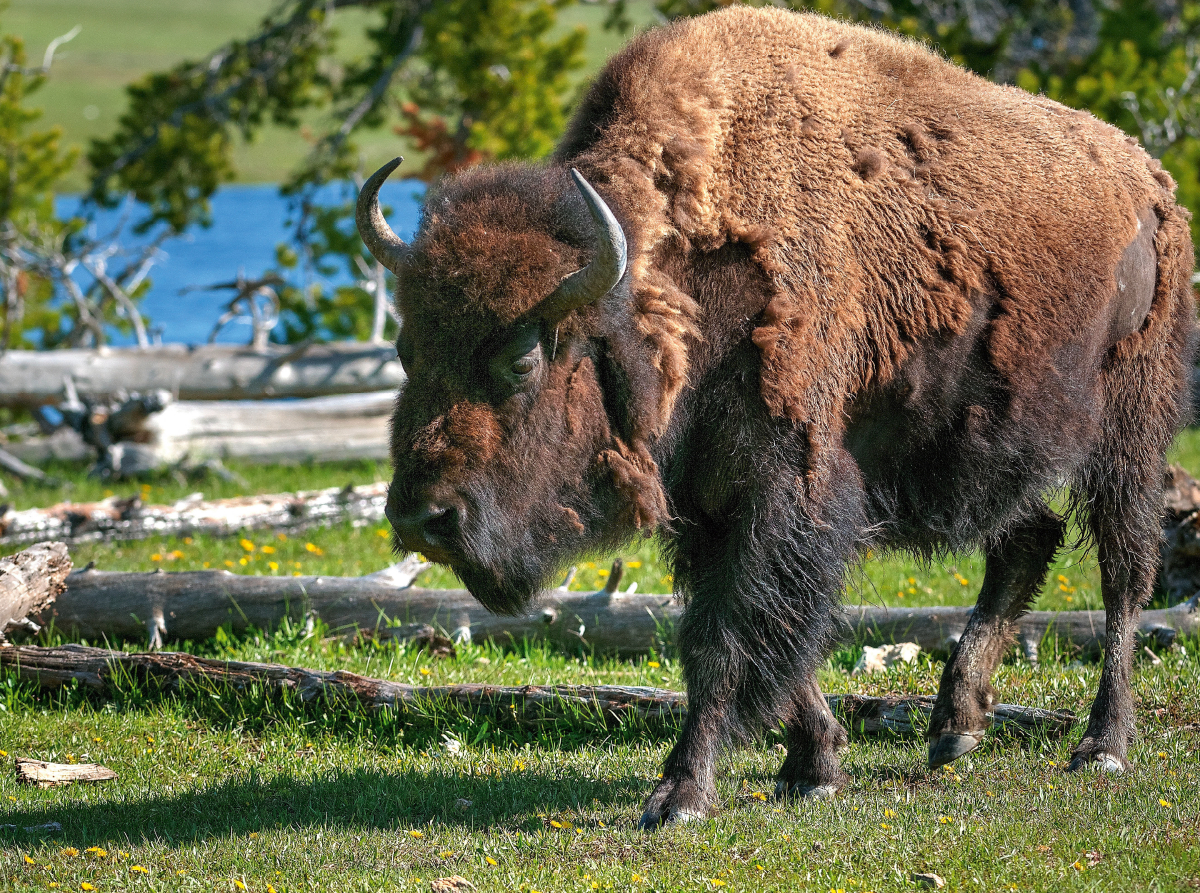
(814, 738)
(1015, 571)
(687, 791)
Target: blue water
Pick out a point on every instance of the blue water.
(248, 222)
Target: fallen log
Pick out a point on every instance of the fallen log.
(30, 581)
(207, 372)
(193, 604)
(278, 431)
(527, 705)
(128, 518)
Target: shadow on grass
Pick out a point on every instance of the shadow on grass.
(362, 799)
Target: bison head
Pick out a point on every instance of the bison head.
(506, 440)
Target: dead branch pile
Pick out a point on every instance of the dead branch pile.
(101, 669)
(128, 518)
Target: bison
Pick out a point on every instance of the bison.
(790, 289)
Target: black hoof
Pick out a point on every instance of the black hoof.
(949, 746)
(807, 791)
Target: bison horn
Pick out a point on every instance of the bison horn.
(385, 246)
(606, 269)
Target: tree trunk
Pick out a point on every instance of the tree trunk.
(207, 372)
(192, 604)
(30, 581)
(118, 518)
(527, 705)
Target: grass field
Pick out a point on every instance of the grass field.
(219, 791)
(122, 40)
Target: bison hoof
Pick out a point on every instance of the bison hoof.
(675, 802)
(807, 791)
(1099, 761)
(949, 746)
(651, 820)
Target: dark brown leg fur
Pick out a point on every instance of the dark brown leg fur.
(814, 738)
(1128, 551)
(1015, 572)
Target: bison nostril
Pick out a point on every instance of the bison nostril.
(432, 526)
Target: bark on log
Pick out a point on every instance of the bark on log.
(278, 431)
(53, 775)
(30, 581)
(192, 604)
(526, 705)
(128, 518)
(207, 372)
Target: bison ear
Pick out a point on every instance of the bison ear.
(594, 281)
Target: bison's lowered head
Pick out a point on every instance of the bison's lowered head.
(510, 441)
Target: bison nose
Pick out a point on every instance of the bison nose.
(430, 529)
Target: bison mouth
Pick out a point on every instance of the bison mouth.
(504, 593)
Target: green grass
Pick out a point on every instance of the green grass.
(122, 40)
(218, 788)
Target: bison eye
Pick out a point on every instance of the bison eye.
(515, 362)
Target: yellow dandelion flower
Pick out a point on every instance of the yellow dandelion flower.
(270, 889)
(945, 819)
(273, 565)
(29, 861)
(885, 826)
(912, 581)
(239, 884)
(555, 824)
(1166, 804)
(634, 564)
(889, 813)
(100, 852)
(964, 581)
(140, 869)
(228, 563)
(315, 549)
(759, 795)
(1162, 755)
(156, 557)
(416, 834)
(381, 532)
(490, 861)
(242, 562)
(425, 671)
(1078, 866)
(652, 664)
(270, 550)
(69, 851)
(246, 544)
(187, 540)
(86, 886)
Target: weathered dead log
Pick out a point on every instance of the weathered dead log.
(30, 581)
(53, 775)
(192, 604)
(613, 705)
(127, 518)
(132, 440)
(206, 372)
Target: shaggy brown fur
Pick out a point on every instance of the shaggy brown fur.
(883, 185)
(871, 300)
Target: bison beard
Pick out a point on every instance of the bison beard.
(828, 292)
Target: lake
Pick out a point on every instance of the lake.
(248, 222)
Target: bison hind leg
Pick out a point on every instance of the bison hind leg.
(1015, 570)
